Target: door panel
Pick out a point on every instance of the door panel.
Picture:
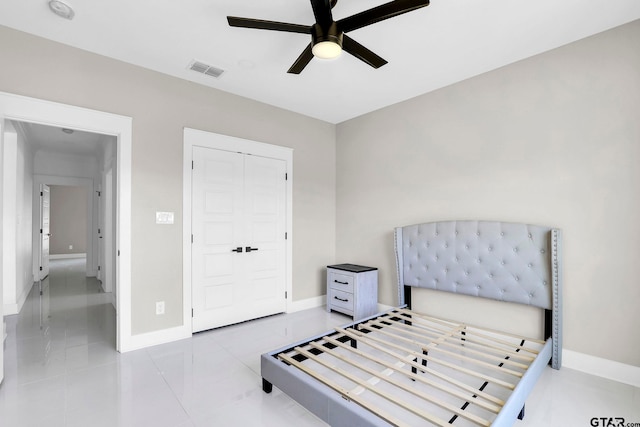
(2, 321)
(238, 201)
(217, 226)
(265, 227)
(45, 210)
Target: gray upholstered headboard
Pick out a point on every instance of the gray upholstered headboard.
(503, 261)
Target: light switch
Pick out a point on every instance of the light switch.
(164, 217)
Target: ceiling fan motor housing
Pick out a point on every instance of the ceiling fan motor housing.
(330, 34)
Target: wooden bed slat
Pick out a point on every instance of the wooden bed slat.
(366, 339)
(390, 418)
(446, 378)
(397, 367)
(493, 331)
(425, 415)
(449, 353)
(400, 385)
(441, 341)
(470, 339)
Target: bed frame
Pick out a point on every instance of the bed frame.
(405, 368)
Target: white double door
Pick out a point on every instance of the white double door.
(238, 249)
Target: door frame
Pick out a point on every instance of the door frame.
(87, 184)
(2, 321)
(40, 272)
(194, 137)
(33, 110)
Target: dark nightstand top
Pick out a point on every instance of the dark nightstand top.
(352, 268)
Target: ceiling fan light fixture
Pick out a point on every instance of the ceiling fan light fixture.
(327, 41)
(326, 50)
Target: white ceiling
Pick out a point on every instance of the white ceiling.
(51, 139)
(446, 42)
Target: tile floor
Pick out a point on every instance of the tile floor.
(61, 369)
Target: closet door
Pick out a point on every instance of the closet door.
(238, 251)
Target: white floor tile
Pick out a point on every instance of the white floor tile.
(61, 369)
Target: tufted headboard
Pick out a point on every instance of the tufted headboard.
(503, 261)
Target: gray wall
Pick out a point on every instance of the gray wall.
(551, 140)
(68, 216)
(161, 106)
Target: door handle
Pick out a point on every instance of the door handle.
(249, 249)
(340, 299)
(238, 249)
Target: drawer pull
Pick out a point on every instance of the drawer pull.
(342, 283)
(340, 299)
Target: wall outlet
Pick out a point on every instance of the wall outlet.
(70, 247)
(159, 307)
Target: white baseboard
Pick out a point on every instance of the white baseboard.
(384, 307)
(308, 303)
(15, 308)
(150, 339)
(610, 369)
(10, 309)
(67, 256)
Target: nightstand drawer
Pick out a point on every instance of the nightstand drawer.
(341, 282)
(342, 301)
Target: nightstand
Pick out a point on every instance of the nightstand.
(352, 289)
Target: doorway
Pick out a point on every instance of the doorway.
(31, 110)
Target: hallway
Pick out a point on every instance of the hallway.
(62, 330)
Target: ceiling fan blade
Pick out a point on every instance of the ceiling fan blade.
(351, 46)
(379, 13)
(322, 12)
(305, 57)
(260, 24)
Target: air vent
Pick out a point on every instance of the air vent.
(207, 69)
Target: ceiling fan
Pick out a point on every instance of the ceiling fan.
(328, 37)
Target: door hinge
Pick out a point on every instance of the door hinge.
(285, 235)
(41, 194)
(118, 252)
(41, 231)
(98, 268)
(192, 238)
(286, 176)
(192, 312)
(285, 294)
(191, 164)
(98, 231)
(98, 193)
(40, 268)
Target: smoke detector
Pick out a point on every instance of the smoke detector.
(62, 9)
